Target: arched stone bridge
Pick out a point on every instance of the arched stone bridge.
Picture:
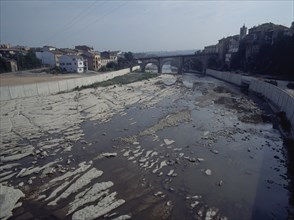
(180, 61)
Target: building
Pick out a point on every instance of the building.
(93, 58)
(8, 52)
(73, 64)
(48, 55)
(290, 31)
(212, 49)
(108, 56)
(38, 52)
(223, 48)
(68, 51)
(11, 65)
(84, 48)
(229, 46)
(5, 46)
(260, 35)
(50, 58)
(8, 65)
(48, 48)
(243, 32)
(233, 48)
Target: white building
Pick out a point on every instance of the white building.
(50, 58)
(73, 64)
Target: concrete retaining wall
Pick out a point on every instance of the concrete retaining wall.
(226, 76)
(280, 98)
(53, 87)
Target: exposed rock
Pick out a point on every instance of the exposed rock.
(194, 204)
(169, 203)
(9, 198)
(168, 142)
(208, 172)
(214, 151)
(123, 217)
(211, 212)
(159, 194)
(95, 211)
(191, 159)
(107, 155)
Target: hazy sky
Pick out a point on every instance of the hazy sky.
(134, 25)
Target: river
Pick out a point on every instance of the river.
(171, 147)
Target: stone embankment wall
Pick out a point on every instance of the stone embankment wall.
(53, 87)
(280, 98)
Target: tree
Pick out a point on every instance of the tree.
(275, 59)
(29, 61)
(103, 69)
(3, 67)
(129, 56)
(194, 64)
(213, 63)
(112, 65)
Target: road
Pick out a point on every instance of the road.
(166, 148)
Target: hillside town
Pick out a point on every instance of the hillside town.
(78, 60)
(251, 41)
(82, 58)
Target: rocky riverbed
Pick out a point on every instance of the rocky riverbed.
(165, 148)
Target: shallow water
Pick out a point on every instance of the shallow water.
(247, 161)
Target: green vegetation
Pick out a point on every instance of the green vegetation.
(290, 85)
(120, 80)
(30, 61)
(129, 56)
(24, 62)
(3, 66)
(194, 64)
(126, 61)
(111, 66)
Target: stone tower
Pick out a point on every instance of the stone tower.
(243, 32)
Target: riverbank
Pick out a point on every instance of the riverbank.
(281, 100)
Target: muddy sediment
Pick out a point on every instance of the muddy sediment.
(196, 149)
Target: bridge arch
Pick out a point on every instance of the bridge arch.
(175, 62)
(150, 61)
